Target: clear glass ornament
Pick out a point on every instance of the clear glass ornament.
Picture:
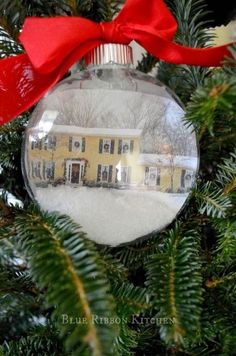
(108, 146)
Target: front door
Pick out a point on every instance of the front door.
(75, 172)
(152, 182)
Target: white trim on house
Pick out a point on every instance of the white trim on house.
(90, 131)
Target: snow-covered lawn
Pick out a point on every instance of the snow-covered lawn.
(111, 216)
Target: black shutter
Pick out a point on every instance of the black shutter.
(120, 147)
(65, 169)
(40, 144)
(158, 176)
(46, 142)
(100, 145)
(70, 144)
(54, 142)
(32, 145)
(183, 178)
(39, 170)
(110, 174)
(50, 142)
(146, 175)
(44, 170)
(99, 173)
(83, 144)
(131, 146)
(112, 146)
(53, 170)
(32, 169)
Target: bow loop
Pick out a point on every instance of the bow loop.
(53, 45)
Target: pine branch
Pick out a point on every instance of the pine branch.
(130, 299)
(211, 201)
(190, 15)
(6, 213)
(8, 45)
(212, 111)
(226, 175)
(214, 198)
(99, 10)
(73, 6)
(115, 6)
(135, 255)
(116, 271)
(127, 341)
(214, 104)
(191, 32)
(175, 281)
(147, 63)
(41, 340)
(14, 281)
(219, 312)
(229, 342)
(225, 252)
(21, 306)
(66, 264)
(11, 135)
(14, 12)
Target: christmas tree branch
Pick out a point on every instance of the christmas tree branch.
(174, 278)
(65, 263)
(191, 32)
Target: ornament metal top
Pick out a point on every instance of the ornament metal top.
(109, 147)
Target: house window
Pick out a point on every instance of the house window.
(106, 145)
(125, 146)
(186, 178)
(50, 142)
(36, 169)
(77, 144)
(104, 173)
(152, 176)
(48, 170)
(124, 175)
(36, 143)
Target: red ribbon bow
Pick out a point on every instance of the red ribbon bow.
(53, 45)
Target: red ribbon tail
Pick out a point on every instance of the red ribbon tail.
(174, 53)
(20, 86)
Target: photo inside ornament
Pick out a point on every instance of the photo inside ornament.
(109, 147)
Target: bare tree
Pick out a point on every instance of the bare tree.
(168, 137)
(81, 110)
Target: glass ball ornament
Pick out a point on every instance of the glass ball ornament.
(109, 147)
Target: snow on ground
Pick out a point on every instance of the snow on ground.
(112, 216)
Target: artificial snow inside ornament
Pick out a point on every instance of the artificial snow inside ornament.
(108, 146)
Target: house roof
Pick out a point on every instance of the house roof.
(156, 160)
(90, 131)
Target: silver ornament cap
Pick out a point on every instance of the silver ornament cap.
(110, 53)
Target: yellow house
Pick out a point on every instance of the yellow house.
(104, 157)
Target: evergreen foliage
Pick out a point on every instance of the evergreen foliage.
(170, 294)
(175, 280)
(190, 16)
